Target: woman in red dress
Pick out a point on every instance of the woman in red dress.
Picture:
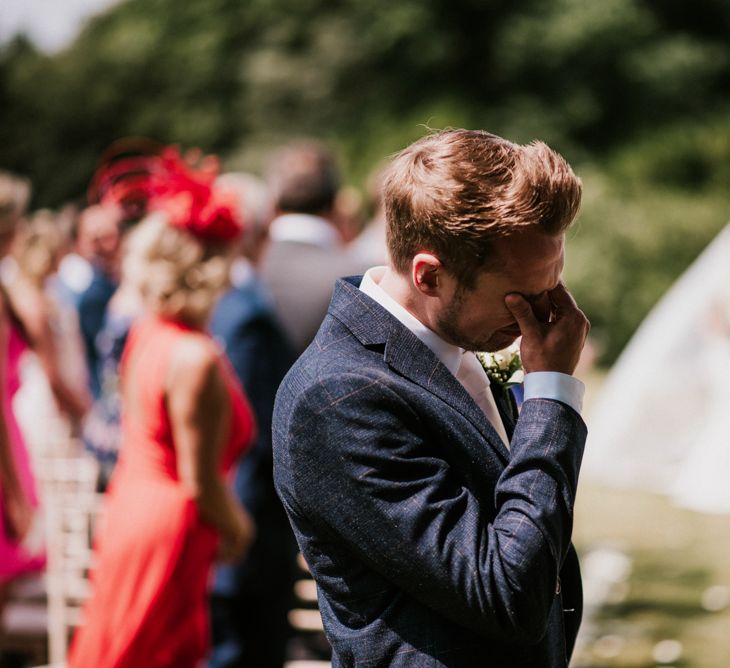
(169, 510)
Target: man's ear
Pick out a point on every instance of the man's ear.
(427, 274)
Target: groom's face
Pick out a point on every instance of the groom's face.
(477, 318)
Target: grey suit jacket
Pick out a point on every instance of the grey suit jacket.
(300, 278)
(431, 543)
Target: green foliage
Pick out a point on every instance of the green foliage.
(646, 215)
(632, 92)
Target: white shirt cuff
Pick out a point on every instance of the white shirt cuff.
(554, 385)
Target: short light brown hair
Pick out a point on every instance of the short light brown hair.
(452, 192)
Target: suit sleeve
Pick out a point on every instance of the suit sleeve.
(360, 462)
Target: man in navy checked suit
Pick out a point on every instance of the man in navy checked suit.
(435, 521)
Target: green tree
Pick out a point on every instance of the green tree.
(632, 92)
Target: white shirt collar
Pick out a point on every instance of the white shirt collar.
(242, 272)
(304, 228)
(447, 353)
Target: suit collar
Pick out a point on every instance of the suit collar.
(373, 326)
(242, 273)
(450, 355)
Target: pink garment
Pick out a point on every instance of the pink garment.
(14, 558)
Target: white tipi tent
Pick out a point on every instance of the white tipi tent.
(662, 419)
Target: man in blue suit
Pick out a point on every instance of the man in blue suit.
(101, 229)
(250, 599)
(436, 522)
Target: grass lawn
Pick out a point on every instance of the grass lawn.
(673, 609)
(678, 557)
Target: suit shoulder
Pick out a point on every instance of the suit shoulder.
(308, 395)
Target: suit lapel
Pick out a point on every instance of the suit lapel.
(409, 357)
(415, 361)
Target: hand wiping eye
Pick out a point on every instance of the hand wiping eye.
(542, 306)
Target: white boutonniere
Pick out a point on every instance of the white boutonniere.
(503, 367)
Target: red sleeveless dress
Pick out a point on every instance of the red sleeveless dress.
(153, 552)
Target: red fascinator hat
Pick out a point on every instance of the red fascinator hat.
(142, 177)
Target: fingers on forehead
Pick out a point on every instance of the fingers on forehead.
(560, 294)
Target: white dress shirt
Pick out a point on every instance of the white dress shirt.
(537, 384)
(242, 273)
(304, 228)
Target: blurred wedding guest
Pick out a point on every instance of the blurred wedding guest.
(370, 247)
(53, 396)
(129, 173)
(306, 253)
(348, 213)
(99, 225)
(102, 431)
(251, 598)
(75, 271)
(18, 499)
(169, 511)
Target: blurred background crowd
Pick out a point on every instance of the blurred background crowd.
(300, 105)
(124, 307)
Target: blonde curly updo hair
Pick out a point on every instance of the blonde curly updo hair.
(178, 275)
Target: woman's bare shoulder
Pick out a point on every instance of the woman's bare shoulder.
(194, 360)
